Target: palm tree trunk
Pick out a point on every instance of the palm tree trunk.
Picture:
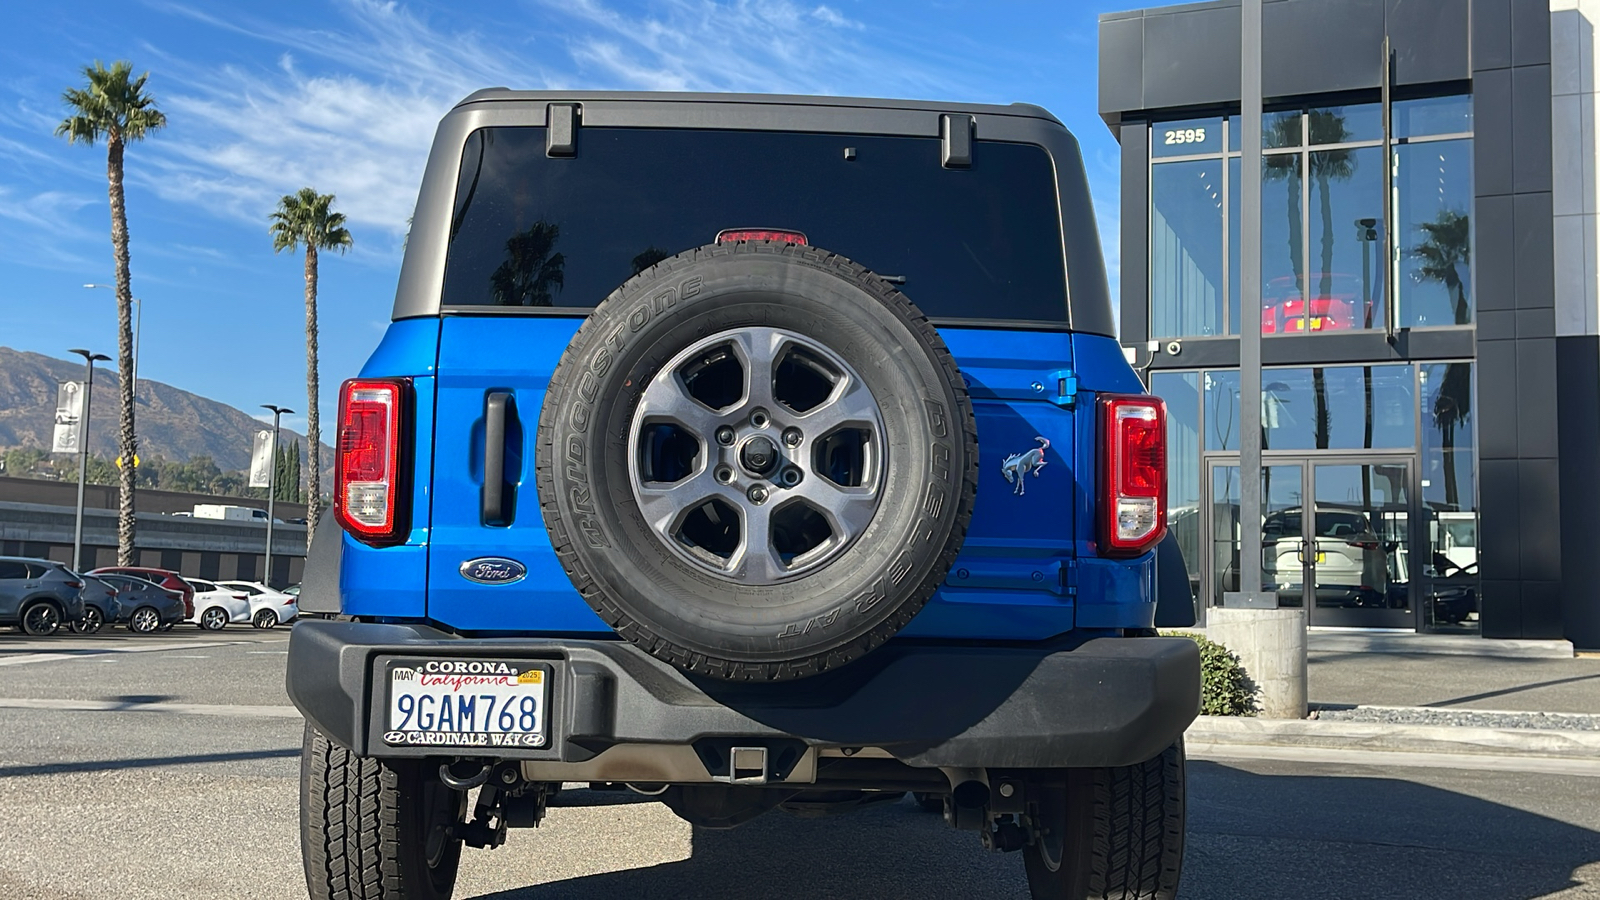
(127, 441)
(313, 421)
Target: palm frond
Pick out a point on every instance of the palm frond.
(112, 105)
(308, 218)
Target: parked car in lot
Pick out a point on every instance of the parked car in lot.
(162, 578)
(268, 608)
(37, 595)
(215, 607)
(99, 606)
(144, 607)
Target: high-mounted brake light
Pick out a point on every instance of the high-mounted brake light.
(367, 476)
(1133, 495)
(734, 235)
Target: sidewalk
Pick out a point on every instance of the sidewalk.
(1490, 711)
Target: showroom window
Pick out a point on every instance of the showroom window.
(1325, 245)
(1317, 408)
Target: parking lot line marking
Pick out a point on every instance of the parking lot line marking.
(227, 710)
(67, 654)
(1459, 761)
(274, 652)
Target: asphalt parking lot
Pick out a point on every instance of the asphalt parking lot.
(161, 766)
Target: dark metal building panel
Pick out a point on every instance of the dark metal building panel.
(1578, 381)
(1497, 324)
(1491, 34)
(1530, 32)
(1492, 166)
(1135, 228)
(1500, 605)
(1431, 40)
(1497, 400)
(1535, 237)
(1536, 398)
(1541, 610)
(1495, 259)
(1191, 58)
(1320, 46)
(1530, 128)
(1499, 538)
(1539, 499)
(1536, 323)
(1122, 64)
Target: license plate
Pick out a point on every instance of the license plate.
(466, 703)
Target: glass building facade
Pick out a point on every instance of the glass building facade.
(1422, 466)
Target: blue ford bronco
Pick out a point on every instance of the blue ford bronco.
(749, 453)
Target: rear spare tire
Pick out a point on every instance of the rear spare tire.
(757, 460)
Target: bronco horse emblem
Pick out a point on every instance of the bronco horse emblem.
(1017, 466)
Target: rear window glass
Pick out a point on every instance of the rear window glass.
(530, 230)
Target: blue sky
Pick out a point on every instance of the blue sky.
(344, 95)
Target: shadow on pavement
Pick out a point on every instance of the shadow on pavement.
(1266, 836)
(1513, 690)
(1334, 836)
(887, 851)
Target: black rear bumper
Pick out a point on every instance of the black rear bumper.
(1101, 702)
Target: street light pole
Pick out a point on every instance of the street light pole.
(272, 483)
(89, 359)
(138, 329)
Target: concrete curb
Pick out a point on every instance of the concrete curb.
(1239, 731)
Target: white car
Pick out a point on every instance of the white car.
(268, 608)
(216, 607)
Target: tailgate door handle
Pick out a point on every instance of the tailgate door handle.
(499, 497)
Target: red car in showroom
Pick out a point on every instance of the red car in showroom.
(1284, 311)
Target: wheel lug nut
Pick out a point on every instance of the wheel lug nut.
(758, 494)
(724, 435)
(791, 437)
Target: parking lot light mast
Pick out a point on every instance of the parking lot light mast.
(89, 359)
(138, 318)
(272, 483)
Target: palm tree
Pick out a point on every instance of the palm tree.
(307, 219)
(113, 106)
(1443, 254)
(532, 273)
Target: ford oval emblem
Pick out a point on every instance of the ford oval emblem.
(493, 570)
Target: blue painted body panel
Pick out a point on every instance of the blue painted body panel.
(1026, 570)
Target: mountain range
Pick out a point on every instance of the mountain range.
(171, 422)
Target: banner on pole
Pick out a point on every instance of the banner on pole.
(261, 460)
(69, 418)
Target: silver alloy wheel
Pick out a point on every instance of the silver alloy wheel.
(214, 618)
(757, 454)
(144, 620)
(41, 620)
(266, 618)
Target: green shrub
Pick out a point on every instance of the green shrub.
(1225, 689)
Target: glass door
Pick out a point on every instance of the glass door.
(1358, 551)
(1347, 550)
(1282, 568)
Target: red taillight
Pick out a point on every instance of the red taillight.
(1133, 496)
(731, 235)
(75, 585)
(366, 472)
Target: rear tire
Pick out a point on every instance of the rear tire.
(374, 829)
(42, 619)
(1113, 833)
(213, 618)
(91, 623)
(265, 619)
(145, 620)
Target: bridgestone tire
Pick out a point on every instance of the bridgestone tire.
(365, 823)
(1121, 832)
(797, 624)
